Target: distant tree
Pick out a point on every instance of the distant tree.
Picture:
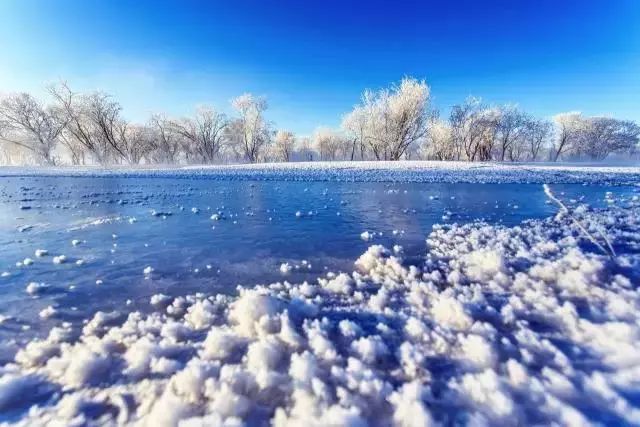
(92, 121)
(511, 124)
(27, 123)
(204, 134)
(602, 136)
(473, 129)
(104, 115)
(569, 129)
(165, 142)
(5, 154)
(391, 120)
(251, 131)
(389, 124)
(537, 133)
(438, 144)
(284, 144)
(305, 148)
(234, 150)
(356, 126)
(489, 122)
(331, 144)
(137, 142)
(462, 121)
(76, 150)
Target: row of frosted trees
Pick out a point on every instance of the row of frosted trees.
(390, 124)
(90, 129)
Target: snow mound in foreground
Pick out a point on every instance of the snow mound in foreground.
(499, 326)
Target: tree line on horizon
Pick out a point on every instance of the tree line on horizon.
(393, 123)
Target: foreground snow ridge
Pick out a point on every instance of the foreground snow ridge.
(499, 326)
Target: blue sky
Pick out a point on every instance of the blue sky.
(312, 59)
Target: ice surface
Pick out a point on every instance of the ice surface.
(496, 325)
(522, 323)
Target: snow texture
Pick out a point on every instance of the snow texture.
(496, 326)
(369, 171)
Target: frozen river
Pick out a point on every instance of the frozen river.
(209, 235)
(119, 298)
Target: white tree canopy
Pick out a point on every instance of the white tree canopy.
(390, 120)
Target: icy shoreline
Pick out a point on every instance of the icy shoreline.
(403, 171)
(498, 326)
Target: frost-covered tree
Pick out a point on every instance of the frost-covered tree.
(602, 136)
(569, 129)
(76, 151)
(438, 144)
(165, 142)
(462, 121)
(284, 145)
(390, 120)
(511, 124)
(489, 121)
(5, 149)
(536, 137)
(252, 132)
(473, 129)
(331, 144)
(5, 154)
(305, 150)
(356, 125)
(593, 138)
(29, 124)
(137, 142)
(109, 128)
(389, 124)
(203, 135)
(92, 121)
(233, 150)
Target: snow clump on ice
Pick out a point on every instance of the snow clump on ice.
(60, 259)
(285, 268)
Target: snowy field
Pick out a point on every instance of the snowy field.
(370, 294)
(378, 171)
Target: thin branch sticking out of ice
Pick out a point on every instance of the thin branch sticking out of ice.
(565, 210)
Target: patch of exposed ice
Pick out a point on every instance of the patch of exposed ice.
(92, 222)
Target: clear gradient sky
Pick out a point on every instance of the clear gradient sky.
(312, 59)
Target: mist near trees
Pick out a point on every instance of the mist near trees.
(394, 123)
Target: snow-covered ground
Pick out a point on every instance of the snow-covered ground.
(379, 171)
(530, 324)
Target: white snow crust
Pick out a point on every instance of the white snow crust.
(379, 171)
